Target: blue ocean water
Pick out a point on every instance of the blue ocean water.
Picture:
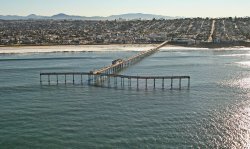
(213, 113)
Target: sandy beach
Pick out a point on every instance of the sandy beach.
(75, 48)
(99, 48)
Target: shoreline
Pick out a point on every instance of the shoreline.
(89, 45)
(106, 48)
(75, 48)
(171, 44)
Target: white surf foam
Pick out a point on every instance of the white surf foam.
(99, 48)
(50, 49)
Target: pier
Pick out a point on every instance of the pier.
(115, 81)
(108, 76)
(119, 66)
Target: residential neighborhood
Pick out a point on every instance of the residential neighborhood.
(80, 32)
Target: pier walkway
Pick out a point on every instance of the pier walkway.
(115, 68)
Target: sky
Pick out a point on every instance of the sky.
(186, 8)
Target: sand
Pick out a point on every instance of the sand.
(98, 48)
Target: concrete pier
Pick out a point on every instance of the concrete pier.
(108, 75)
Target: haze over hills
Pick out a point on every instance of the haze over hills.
(62, 16)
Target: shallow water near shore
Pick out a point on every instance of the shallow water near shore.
(214, 112)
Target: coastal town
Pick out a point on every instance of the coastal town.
(188, 31)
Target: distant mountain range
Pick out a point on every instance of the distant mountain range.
(62, 16)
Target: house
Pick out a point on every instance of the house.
(183, 41)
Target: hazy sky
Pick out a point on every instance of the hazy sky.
(189, 8)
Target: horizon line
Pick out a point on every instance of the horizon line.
(120, 14)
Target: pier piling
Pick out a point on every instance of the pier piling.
(163, 85)
(171, 83)
(40, 78)
(137, 83)
(179, 83)
(154, 83)
(49, 79)
(188, 83)
(81, 80)
(65, 77)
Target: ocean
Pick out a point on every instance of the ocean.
(213, 113)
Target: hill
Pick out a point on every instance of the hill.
(62, 16)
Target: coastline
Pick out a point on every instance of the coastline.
(110, 47)
(75, 48)
(170, 44)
